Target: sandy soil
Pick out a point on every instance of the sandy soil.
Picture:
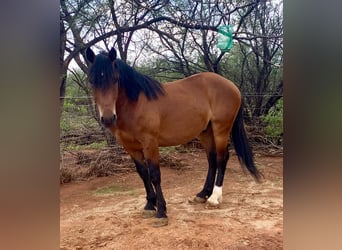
(105, 213)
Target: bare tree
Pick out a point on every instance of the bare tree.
(186, 35)
(189, 45)
(261, 69)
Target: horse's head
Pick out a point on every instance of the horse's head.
(103, 77)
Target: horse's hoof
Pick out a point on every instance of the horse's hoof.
(160, 222)
(197, 200)
(212, 204)
(148, 213)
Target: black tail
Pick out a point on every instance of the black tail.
(242, 147)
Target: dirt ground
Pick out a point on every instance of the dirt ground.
(105, 213)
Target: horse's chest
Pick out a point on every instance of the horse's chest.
(127, 139)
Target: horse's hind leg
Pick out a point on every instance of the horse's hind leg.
(221, 136)
(216, 197)
(207, 140)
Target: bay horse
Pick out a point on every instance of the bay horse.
(144, 115)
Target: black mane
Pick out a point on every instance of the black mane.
(134, 82)
(103, 73)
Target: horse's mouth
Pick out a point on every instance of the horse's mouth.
(108, 122)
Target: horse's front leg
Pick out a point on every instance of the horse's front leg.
(142, 169)
(151, 154)
(161, 204)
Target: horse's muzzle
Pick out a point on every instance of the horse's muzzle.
(108, 121)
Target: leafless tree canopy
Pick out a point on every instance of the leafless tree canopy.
(173, 39)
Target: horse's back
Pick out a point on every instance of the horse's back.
(218, 94)
(211, 84)
(191, 103)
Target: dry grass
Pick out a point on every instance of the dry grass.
(85, 164)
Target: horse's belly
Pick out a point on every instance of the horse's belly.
(180, 132)
(172, 141)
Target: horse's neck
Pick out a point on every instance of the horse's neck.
(123, 107)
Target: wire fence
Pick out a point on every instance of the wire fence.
(87, 149)
(79, 126)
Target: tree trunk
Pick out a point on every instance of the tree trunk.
(62, 87)
(273, 99)
(62, 66)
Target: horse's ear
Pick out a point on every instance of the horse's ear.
(90, 55)
(112, 55)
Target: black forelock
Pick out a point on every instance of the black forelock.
(102, 73)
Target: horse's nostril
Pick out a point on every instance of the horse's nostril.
(108, 121)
